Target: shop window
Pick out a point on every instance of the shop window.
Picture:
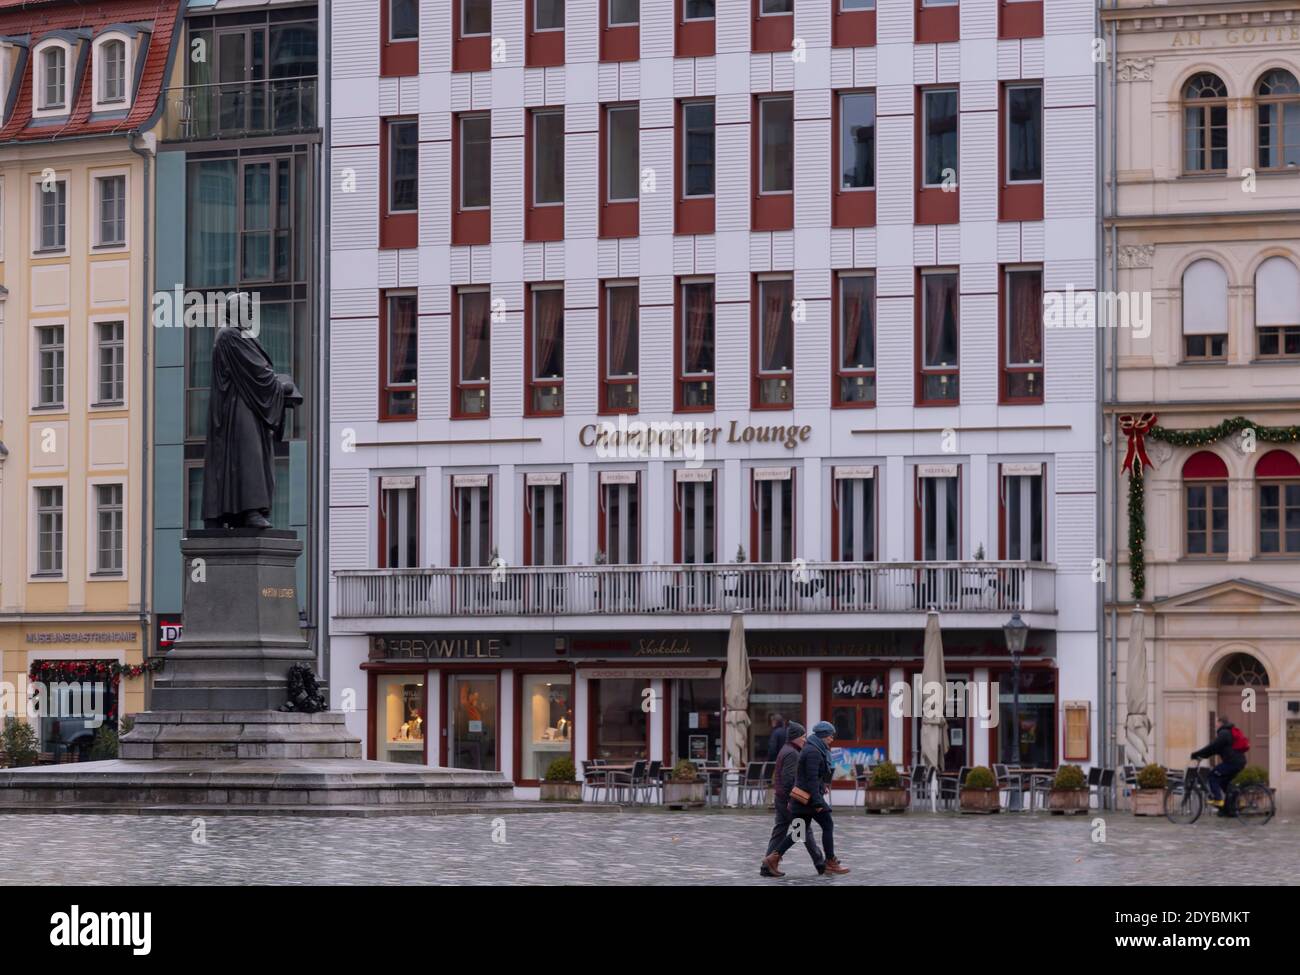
(1205, 497)
(858, 711)
(1022, 501)
(400, 720)
(1022, 362)
(471, 520)
(544, 519)
(66, 731)
(472, 722)
(472, 354)
(620, 353)
(853, 513)
(773, 348)
(937, 382)
(1277, 118)
(1205, 310)
(696, 501)
(1037, 731)
(938, 499)
(399, 522)
(545, 350)
(854, 340)
(620, 729)
(695, 381)
(772, 522)
(772, 693)
(620, 518)
(1277, 478)
(400, 341)
(698, 713)
(1277, 309)
(547, 717)
(1205, 124)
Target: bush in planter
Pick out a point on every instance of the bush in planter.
(1251, 775)
(684, 772)
(105, 745)
(561, 770)
(979, 777)
(1070, 778)
(885, 776)
(19, 743)
(1152, 776)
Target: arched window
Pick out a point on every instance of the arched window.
(1205, 310)
(52, 78)
(1277, 308)
(1205, 124)
(1205, 497)
(112, 71)
(1277, 116)
(1277, 492)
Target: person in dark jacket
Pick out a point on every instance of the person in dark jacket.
(787, 759)
(779, 736)
(1231, 762)
(813, 775)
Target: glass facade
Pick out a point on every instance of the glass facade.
(472, 721)
(547, 722)
(400, 724)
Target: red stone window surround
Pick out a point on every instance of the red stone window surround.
(694, 335)
(1021, 125)
(937, 21)
(399, 56)
(853, 23)
(773, 26)
(1020, 18)
(543, 33)
(620, 34)
(695, 157)
(1020, 334)
(471, 25)
(772, 175)
(620, 170)
(772, 345)
(471, 201)
(399, 343)
(619, 346)
(853, 340)
(471, 353)
(544, 350)
(694, 31)
(853, 185)
(399, 146)
(544, 174)
(938, 121)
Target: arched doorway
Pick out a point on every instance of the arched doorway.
(1241, 671)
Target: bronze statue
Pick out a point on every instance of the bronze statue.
(246, 409)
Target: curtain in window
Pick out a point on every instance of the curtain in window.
(622, 322)
(401, 340)
(474, 336)
(776, 326)
(549, 306)
(859, 341)
(1025, 332)
(698, 309)
(940, 319)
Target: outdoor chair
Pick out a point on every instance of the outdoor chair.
(1127, 780)
(594, 779)
(1008, 781)
(1104, 789)
(751, 781)
(950, 789)
(1040, 786)
(628, 783)
(861, 779)
(920, 784)
(654, 781)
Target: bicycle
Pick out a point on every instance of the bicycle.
(1184, 802)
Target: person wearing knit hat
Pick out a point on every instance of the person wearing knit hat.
(787, 760)
(810, 799)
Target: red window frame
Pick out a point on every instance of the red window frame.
(693, 214)
(757, 375)
(681, 377)
(773, 209)
(454, 535)
(396, 58)
(602, 347)
(560, 668)
(1017, 201)
(618, 218)
(1020, 18)
(852, 28)
(919, 526)
(542, 221)
(934, 205)
(472, 53)
(472, 226)
(770, 32)
(754, 513)
(621, 42)
(1002, 511)
(542, 48)
(1005, 369)
(382, 523)
(401, 229)
(921, 369)
(838, 372)
(937, 24)
(859, 705)
(835, 512)
(532, 384)
(692, 38)
(602, 529)
(850, 207)
(530, 515)
(385, 388)
(678, 554)
(372, 689)
(457, 386)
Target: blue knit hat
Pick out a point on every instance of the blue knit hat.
(823, 729)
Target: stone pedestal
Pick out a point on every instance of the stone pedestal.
(230, 735)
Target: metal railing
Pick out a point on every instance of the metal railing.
(236, 110)
(582, 590)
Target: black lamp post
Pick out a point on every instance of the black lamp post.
(1015, 630)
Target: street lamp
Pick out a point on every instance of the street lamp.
(1015, 630)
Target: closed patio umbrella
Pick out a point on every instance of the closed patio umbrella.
(934, 740)
(1137, 726)
(736, 692)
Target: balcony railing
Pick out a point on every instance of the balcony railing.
(824, 587)
(239, 109)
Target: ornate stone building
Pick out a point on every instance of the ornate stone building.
(1201, 178)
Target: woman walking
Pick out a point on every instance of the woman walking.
(810, 799)
(787, 759)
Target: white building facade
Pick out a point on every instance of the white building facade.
(643, 315)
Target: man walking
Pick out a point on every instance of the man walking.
(780, 734)
(810, 799)
(787, 760)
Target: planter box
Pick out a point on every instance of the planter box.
(1148, 802)
(1061, 802)
(887, 800)
(561, 791)
(685, 795)
(980, 801)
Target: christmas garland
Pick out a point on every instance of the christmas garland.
(51, 671)
(1137, 427)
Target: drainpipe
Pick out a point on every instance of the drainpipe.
(322, 439)
(1113, 662)
(1099, 381)
(146, 155)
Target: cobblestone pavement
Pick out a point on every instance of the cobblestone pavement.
(638, 848)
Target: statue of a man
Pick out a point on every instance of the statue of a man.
(246, 414)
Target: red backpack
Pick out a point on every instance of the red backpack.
(1240, 743)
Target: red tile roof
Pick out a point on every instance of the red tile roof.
(36, 19)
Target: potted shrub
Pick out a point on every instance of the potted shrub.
(1069, 791)
(684, 789)
(1251, 775)
(19, 744)
(886, 792)
(1149, 796)
(561, 783)
(979, 793)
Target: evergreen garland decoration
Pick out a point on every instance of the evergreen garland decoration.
(1137, 520)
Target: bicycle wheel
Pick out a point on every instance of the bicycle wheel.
(1255, 805)
(1184, 806)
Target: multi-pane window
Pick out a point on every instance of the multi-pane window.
(110, 199)
(1024, 133)
(773, 514)
(401, 355)
(112, 76)
(939, 127)
(1022, 364)
(854, 514)
(471, 511)
(696, 344)
(108, 529)
(110, 351)
(623, 153)
(775, 333)
(624, 13)
(1205, 124)
(620, 514)
(939, 336)
(53, 204)
(857, 140)
(49, 365)
(54, 78)
(622, 353)
(548, 14)
(1205, 310)
(1277, 308)
(475, 18)
(696, 517)
(1277, 116)
(855, 364)
(475, 162)
(403, 165)
(940, 517)
(403, 20)
(399, 522)
(548, 158)
(266, 232)
(546, 350)
(776, 145)
(1279, 517)
(544, 510)
(1205, 500)
(49, 530)
(473, 358)
(698, 154)
(1022, 513)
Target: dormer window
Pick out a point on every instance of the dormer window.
(53, 83)
(112, 64)
(112, 78)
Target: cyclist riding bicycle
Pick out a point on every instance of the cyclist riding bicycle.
(1230, 745)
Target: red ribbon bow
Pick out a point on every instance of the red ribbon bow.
(1136, 428)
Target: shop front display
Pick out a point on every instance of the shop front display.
(698, 712)
(621, 722)
(400, 730)
(472, 721)
(858, 704)
(773, 692)
(546, 722)
(1037, 731)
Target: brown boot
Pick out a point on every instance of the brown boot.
(773, 861)
(833, 866)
